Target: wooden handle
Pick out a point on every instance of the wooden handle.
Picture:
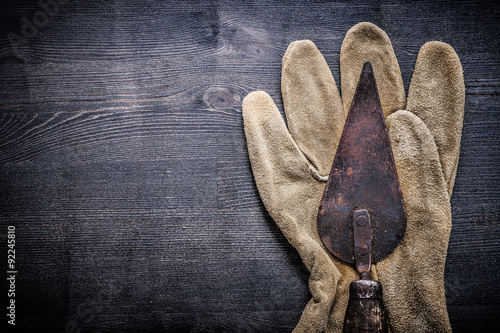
(365, 310)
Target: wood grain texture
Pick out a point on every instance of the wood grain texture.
(124, 168)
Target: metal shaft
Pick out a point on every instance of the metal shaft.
(362, 242)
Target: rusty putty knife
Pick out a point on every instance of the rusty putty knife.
(362, 218)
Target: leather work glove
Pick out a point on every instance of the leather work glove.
(291, 166)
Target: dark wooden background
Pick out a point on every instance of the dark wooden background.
(123, 164)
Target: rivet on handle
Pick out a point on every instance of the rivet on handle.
(362, 242)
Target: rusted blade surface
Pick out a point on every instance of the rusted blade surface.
(363, 176)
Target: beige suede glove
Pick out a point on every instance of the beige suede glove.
(291, 166)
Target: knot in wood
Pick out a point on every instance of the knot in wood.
(220, 98)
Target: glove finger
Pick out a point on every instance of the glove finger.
(277, 162)
(282, 173)
(413, 275)
(312, 104)
(437, 96)
(291, 196)
(367, 42)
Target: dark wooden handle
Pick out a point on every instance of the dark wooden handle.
(365, 310)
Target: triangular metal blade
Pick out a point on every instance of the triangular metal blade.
(363, 176)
